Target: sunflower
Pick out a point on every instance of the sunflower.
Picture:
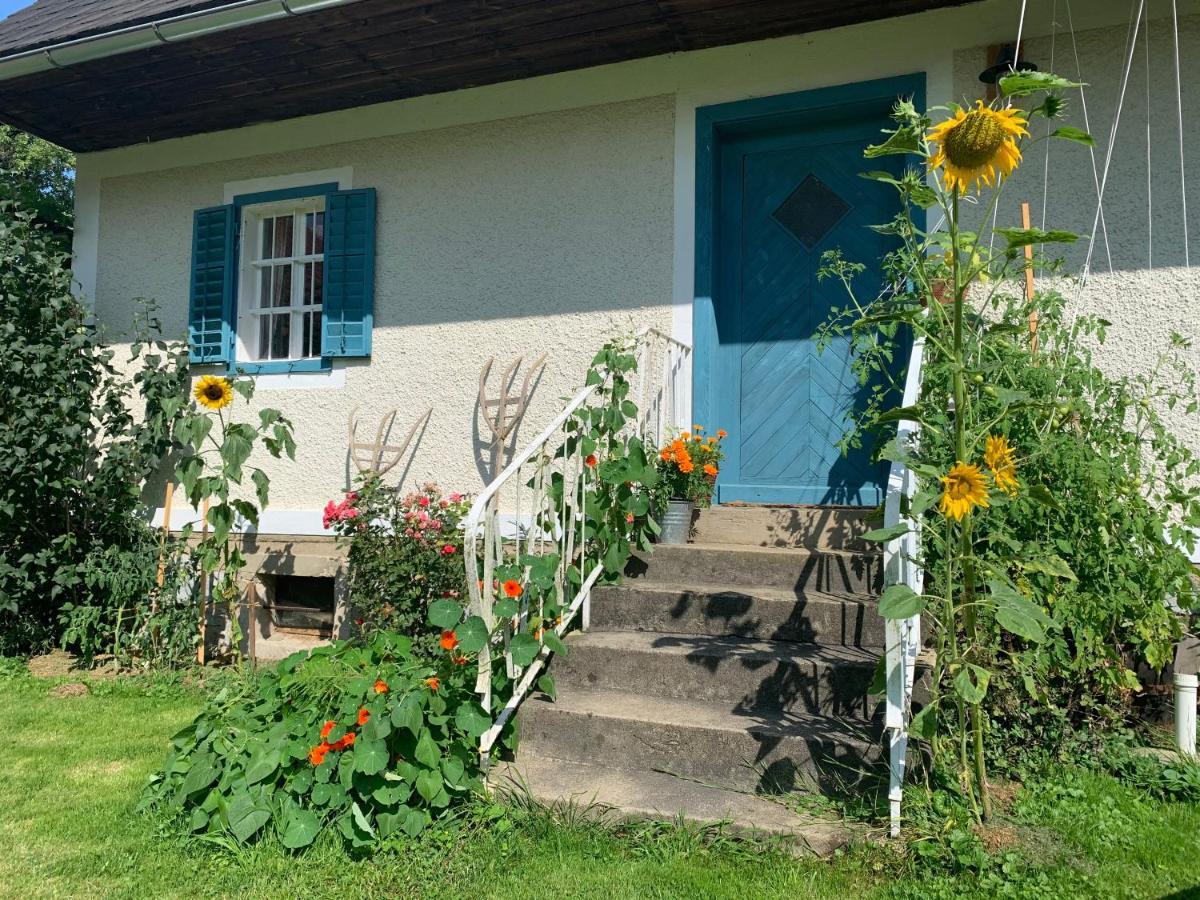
(977, 147)
(213, 391)
(999, 457)
(963, 488)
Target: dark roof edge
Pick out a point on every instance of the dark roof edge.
(167, 30)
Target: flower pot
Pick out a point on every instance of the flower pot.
(676, 522)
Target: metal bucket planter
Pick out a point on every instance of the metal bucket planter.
(676, 522)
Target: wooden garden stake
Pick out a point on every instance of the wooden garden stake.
(378, 456)
(252, 617)
(168, 498)
(1033, 316)
(503, 413)
(203, 586)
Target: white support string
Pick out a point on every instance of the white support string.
(1112, 139)
(1049, 121)
(1012, 68)
(1179, 110)
(1087, 126)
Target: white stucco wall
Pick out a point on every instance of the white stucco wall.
(545, 214)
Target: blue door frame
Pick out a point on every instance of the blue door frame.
(761, 119)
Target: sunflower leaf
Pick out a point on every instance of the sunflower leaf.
(900, 601)
(904, 140)
(1078, 135)
(1023, 237)
(1022, 84)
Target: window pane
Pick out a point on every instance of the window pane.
(281, 336)
(268, 239)
(264, 338)
(314, 283)
(281, 294)
(264, 287)
(319, 241)
(311, 342)
(283, 237)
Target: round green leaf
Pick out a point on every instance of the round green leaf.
(445, 613)
(300, 829)
(370, 757)
(472, 635)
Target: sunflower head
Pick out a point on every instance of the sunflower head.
(213, 392)
(977, 147)
(963, 488)
(1000, 458)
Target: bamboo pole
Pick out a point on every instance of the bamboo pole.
(1033, 315)
(203, 587)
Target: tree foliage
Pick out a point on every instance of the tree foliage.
(40, 176)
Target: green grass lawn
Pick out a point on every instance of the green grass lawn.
(73, 767)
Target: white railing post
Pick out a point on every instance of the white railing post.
(901, 565)
(557, 528)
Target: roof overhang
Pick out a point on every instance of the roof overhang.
(261, 60)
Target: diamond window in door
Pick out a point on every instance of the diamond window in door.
(811, 211)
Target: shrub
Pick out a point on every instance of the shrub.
(403, 552)
(73, 455)
(369, 738)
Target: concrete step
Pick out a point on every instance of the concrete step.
(760, 613)
(808, 527)
(839, 573)
(628, 795)
(753, 675)
(718, 743)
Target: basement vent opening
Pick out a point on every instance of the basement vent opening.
(302, 605)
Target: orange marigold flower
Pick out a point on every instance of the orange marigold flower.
(381, 686)
(433, 683)
(710, 470)
(590, 461)
(449, 640)
(513, 588)
(686, 466)
(686, 435)
(665, 454)
(316, 755)
(697, 429)
(722, 433)
(326, 728)
(363, 716)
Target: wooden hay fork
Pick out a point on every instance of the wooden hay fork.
(503, 413)
(378, 456)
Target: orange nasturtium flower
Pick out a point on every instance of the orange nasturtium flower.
(326, 728)
(513, 588)
(449, 640)
(590, 461)
(459, 659)
(363, 716)
(316, 755)
(433, 683)
(381, 686)
(346, 740)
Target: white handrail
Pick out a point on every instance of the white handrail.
(901, 565)
(557, 481)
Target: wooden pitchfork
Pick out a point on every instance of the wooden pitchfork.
(503, 413)
(378, 456)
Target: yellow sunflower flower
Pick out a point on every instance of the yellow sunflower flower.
(999, 456)
(963, 488)
(213, 392)
(977, 147)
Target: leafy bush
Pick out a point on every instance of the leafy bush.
(370, 739)
(403, 553)
(73, 454)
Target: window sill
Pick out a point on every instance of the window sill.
(282, 367)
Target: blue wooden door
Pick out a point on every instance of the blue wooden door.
(786, 194)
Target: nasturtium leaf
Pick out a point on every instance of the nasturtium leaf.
(900, 601)
(246, 817)
(300, 828)
(890, 533)
(1018, 614)
(429, 784)
(370, 757)
(472, 635)
(545, 684)
(407, 714)
(391, 795)
(554, 642)
(523, 648)
(971, 683)
(427, 751)
(321, 793)
(505, 608)
(472, 720)
(445, 613)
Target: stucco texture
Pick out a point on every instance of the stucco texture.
(546, 233)
(1148, 293)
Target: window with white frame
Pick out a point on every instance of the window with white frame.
(282, 280)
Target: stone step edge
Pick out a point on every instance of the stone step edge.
(732, 647)
(709, 589)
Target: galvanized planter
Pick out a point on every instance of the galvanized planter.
(677, 522)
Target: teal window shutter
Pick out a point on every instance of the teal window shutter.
(210, 306)
(349, 298)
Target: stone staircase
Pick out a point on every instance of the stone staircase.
(718, 677)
